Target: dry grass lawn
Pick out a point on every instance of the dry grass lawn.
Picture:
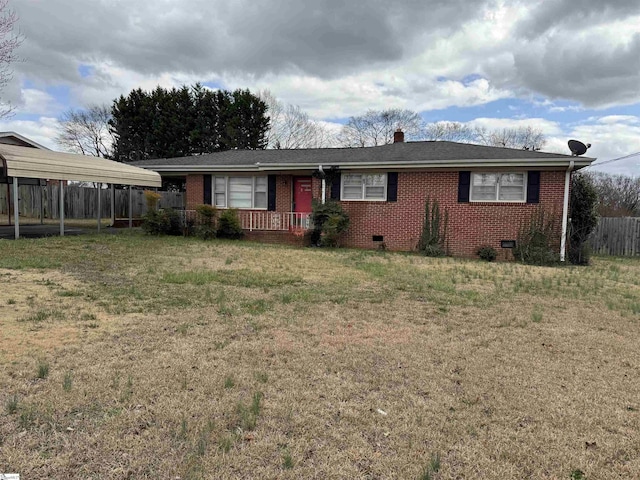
(132, 357)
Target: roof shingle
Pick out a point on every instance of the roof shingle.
(409, 152)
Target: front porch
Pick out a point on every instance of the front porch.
(274, 221)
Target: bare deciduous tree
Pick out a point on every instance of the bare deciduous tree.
(449, 131)
(9, 42)
(527, 138)
(376, 127)
(618, 195)
(86, 131)
(290, 127)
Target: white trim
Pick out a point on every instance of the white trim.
(497, 200)
(565, 213)
(364, 188)
(528, 163)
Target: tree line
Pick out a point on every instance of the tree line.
(196, 120)
(618, 195)
(167, 123)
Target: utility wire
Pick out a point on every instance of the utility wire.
(614, 160)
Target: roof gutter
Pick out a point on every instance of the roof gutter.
(324, 184)
(476, 163)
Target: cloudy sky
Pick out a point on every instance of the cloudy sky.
(568, 67)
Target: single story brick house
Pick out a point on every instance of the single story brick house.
(488, 192)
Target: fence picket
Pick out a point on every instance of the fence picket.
(616, 236)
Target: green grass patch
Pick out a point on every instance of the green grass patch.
(238, 278)
(42, 370)
(248, 414)
(20, 262)
(287, 461)
(42, 315)
(67, 382)
(11, 405)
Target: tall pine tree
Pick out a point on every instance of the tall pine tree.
(187, 121)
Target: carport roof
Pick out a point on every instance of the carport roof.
(25, 162)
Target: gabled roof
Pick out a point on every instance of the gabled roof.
(13, 138)
(430, 154)
(25, 162)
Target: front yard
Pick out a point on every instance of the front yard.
(131, 357)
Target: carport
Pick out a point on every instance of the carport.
(32, 166)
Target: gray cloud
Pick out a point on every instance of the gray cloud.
(574, 15)
(589, 70)
(574, 50)
(549, 52)
(328, 38)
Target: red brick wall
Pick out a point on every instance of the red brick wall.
(280, 237)
(284, 193)
(195, 191)
(470, 224)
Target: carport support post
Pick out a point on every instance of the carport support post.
(9, 203)
(113, 205)
(16, 211)
(61, 186)
(99, 206)
(130, 208)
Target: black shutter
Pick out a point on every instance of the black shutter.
(464, 184)
(335, 187)
(533, 187)
(271, 195)
(207, 190)
(392, 187)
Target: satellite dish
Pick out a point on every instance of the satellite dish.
(578, 148)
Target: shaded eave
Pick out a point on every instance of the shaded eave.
(530, 163)
(26, 162)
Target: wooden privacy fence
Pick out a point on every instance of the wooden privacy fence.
(616, 236)
(82, 202)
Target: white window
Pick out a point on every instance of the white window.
(240, 192)
(359, 186)
(498, 187)
(220, 191)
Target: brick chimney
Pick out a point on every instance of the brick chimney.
(398, 136)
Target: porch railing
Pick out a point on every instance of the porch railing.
(252, 220)
(261, 220)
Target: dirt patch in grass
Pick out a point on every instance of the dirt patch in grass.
(43, 310)
(365, 365)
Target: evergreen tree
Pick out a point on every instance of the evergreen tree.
(584, 218)
(187, 121)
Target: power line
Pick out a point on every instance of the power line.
(614, 160)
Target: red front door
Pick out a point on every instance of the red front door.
(302, 194)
